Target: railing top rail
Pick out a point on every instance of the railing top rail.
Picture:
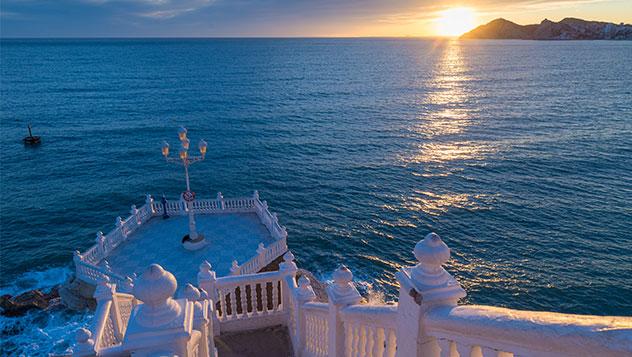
(316, 306)
(516, 330)
(248, 278)
(375, 315)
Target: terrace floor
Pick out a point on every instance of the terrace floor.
(230, 236)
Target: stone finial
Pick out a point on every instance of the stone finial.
(148, 199)
(261, 249)
(191, 293)
(205, 271)
(100, 237)
(342, 291)
(305, 290)
(85, 343)
(255, 194)
(133, 210)
(288, 262)
(234, 269)
(220, 196)
(104, 290)
(265, 204)
(119, 221)
(76, 256)
(428, 277)
(155, 289)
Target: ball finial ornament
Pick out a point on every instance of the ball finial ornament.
(432, 251)
(155, 286)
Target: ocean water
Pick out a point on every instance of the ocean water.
(518, 153)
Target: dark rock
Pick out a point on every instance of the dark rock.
(13, 306)
(567, 29)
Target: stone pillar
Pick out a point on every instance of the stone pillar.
(149, 201)
(135, 213)
(119, 224)
(422, 287)
(220, 201)
(207, 281)
(341, 293)
(304, 295)
(261, 256)
(288, 269)
(234, 268)
(161, 325)
(100, 240)
(201, 320)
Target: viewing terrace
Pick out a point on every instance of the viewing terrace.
(242, 237)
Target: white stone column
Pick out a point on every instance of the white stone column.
(161, 325)
(261, 256)
(288, 269)
(149, 202)
(304, 295)
(341, 293)
(422, 287)
(201, 320)
(207, 281)
(220, 201)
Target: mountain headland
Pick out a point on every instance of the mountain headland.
(567, 29)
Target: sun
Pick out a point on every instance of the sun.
(455, 21)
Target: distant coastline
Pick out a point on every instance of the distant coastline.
(567, 29)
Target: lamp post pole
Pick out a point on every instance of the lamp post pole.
(185, 160)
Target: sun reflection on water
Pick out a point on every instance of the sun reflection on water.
(444, 143)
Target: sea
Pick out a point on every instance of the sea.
(517, 153)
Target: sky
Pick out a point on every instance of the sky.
(284, 18)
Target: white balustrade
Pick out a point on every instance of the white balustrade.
(87, 267)
(370, 330)
(317, 333)
(426, 322)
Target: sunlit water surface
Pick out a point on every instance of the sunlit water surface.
(518, 153)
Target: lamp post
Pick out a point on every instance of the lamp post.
(194, 240)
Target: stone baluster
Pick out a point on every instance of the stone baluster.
(149, 201)
(136, 214)
(100, 240)
(85, 343)
(422, 287)
(220, 201)
(342, 293)
(207, 281)
(234, 269)
(160, 323)
(261, 256)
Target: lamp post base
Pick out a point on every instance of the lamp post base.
(190, 244)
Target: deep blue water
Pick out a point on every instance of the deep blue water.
(518, 153)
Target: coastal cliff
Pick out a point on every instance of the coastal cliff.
(567, 29)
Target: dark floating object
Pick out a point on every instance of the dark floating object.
(31, 140)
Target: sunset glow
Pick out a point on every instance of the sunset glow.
(455, 21)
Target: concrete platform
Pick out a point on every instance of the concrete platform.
(231, 236)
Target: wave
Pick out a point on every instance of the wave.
(47, 332)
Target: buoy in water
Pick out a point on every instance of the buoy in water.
(31, 140)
